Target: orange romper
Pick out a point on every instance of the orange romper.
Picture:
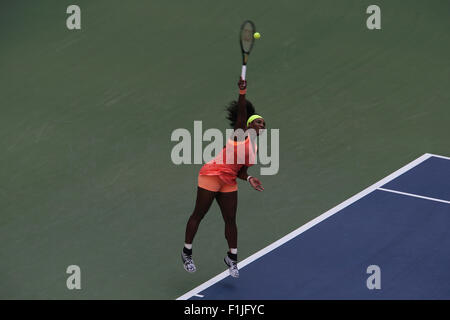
(220, 176)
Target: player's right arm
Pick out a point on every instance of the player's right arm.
(242, 106)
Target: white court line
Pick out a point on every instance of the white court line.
(438, 156)
(414, 195)
(309, 225)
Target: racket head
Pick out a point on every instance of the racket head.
(246, 39)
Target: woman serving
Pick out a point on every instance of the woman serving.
(217, 179)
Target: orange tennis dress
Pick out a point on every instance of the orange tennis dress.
(219, 174)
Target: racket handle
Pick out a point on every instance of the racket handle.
(244, 70)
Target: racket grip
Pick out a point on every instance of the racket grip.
(243, 72)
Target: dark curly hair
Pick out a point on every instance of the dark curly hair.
(232, 110)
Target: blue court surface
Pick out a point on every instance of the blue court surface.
(399, 227)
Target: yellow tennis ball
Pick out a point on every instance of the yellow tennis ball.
(256, 35)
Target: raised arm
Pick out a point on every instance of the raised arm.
(242, 106)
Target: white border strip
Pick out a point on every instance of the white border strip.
(414, 195)
(437, 156)
(310, 224)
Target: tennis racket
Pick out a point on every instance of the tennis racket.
(246, 40)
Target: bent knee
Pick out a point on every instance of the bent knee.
(197, 216)
(230, 220)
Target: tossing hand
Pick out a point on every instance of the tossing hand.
(256, 184)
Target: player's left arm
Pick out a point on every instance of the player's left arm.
(254, 182)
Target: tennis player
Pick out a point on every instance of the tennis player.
(217, 179)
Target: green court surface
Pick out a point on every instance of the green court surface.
(87, 115)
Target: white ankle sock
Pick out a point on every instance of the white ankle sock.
(188, 246)
(233, 250)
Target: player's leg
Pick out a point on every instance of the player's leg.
(228, 206)
(202, 205)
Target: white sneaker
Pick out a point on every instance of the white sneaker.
(188, 263)
(232, 267)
